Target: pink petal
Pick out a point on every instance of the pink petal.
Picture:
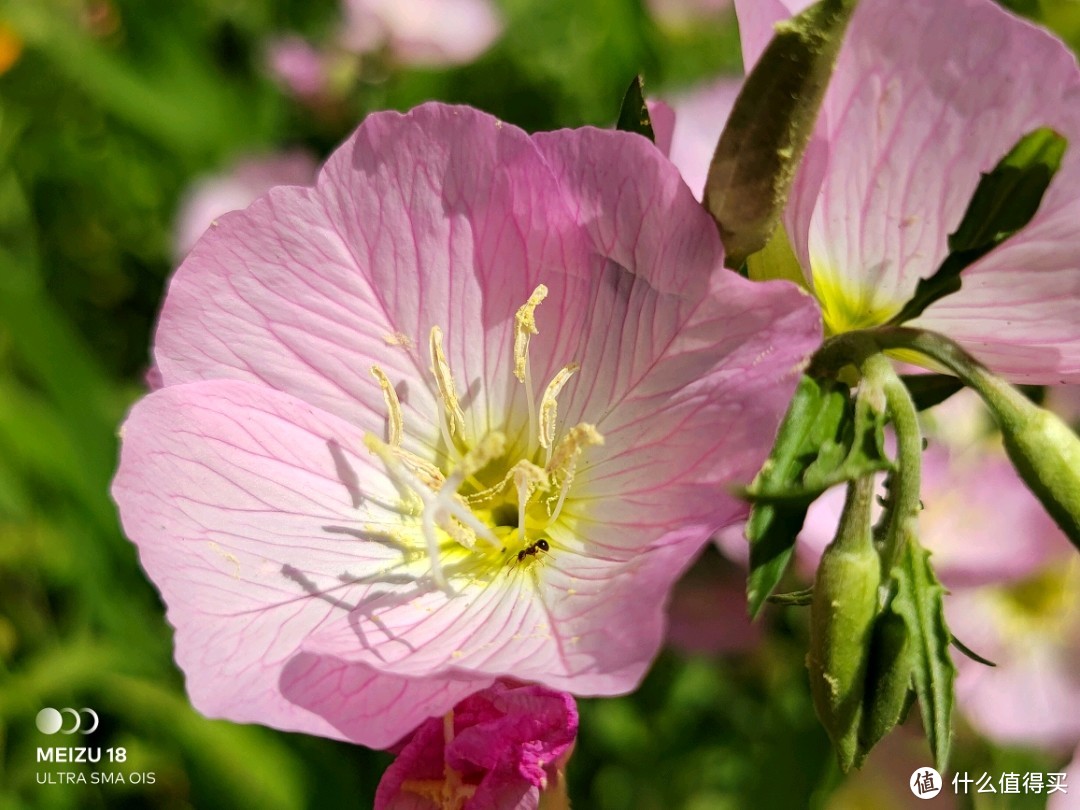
(914, 113)
(242, 503)
(700, 116)
(448, 217)
(411, 221)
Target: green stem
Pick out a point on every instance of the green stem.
(1044, 450)
(904, 504)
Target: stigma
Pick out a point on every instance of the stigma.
(482, 506)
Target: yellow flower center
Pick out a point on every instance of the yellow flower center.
(844, 307)
(484, 508)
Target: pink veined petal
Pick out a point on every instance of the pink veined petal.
(442, 217)
(257, 517)
(913, 115)
(709, 347)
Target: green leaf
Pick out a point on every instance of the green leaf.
(634, 114)
(919, 600)
(856, 450)
(928, 390)
(814, 417)
(1005, 201)
(770, 125)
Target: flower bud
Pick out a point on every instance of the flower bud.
(1044, 450)
(888, 693)
(842, 613)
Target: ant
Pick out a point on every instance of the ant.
(540, 545)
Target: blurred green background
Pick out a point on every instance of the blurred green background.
(109, 110)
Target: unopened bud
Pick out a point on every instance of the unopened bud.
(842, 613)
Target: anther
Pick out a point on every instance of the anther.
(393, 407)
(524, 329)
(455, 417)
(549, 405)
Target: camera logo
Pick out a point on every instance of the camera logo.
(50, 721)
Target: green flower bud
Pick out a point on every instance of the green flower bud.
(842, 613)
(1044, 450)
(888, 693)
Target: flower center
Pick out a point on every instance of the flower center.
(451, 792)
(484, 507)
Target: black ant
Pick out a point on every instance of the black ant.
(533, 550)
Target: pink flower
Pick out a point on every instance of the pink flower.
(234, 189)
(463, 410)
(428, 33)
(496, 750)
(926, 95)
(299, 66)
(1031, 630)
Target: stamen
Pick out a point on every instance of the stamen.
(455, 417)
(549, 406)
(393, 407)
(438, 507)
(527, 478)
(564, 460)
(524, 329)
(427, 472)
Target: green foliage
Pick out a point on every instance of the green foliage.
(825, 439)
(634, 114)
(919, 601)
